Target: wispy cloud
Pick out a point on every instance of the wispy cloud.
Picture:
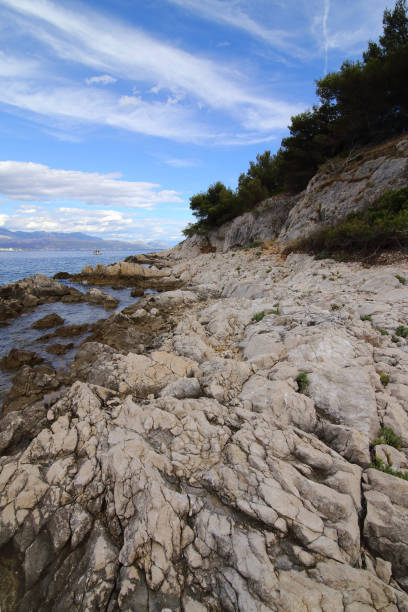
(176, 84)
(178, 162)
(103, 79)
(30, 182)
(231, 13)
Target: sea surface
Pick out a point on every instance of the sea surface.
(15, 265)
(18, 333)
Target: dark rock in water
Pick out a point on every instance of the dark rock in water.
(59, 349)
(72, 330)
(30, 385)
(98, 297)
(118, 287)
(19, 357)
(51, 320)
(61, 276)
(137, 292)
(15, 298)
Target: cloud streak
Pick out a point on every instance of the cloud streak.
(176, 84)
(31, 182)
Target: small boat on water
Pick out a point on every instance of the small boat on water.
(97, 252)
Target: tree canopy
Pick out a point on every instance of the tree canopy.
(364, 102)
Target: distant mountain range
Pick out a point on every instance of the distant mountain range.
(58, 241)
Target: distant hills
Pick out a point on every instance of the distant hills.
(59, 241)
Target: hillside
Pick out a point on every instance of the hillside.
(341, 186)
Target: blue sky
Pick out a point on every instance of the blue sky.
(113, 113)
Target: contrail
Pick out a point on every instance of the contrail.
(325, 33)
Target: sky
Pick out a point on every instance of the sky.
(113, 113)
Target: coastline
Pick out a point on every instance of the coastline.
(178, 457)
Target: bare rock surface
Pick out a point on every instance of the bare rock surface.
(211, 448)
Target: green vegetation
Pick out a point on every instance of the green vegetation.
(379, 464)
(365, 317)
(382, 225)
(394, 338)
(335, 307)
(401, 279)
(258, 316)
(302, 381)
(387, 436)
(385, 379)
(383, 332)
(338, 125)
(401, 331)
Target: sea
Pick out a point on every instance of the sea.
(16, 265)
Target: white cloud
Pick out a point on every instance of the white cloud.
(30, 182)
(107, 224)
(126, 52)
(3, 219)
(232, 14)
(103, 79)
(177, 162)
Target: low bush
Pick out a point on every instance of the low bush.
(379, 464)
(387, 436)
(384, 225)
(302, 381)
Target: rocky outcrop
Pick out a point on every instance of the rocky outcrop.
(343, 186)
(210, 448)
(16, 298)
(129, 273)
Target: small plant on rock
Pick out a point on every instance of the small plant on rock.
(385, 379)
(302, 381)
(402, 331)
(387, 436)
(335, 307)
(383, 332)
(401, 279)
(378, 464)
(365, 317)
(258, 316)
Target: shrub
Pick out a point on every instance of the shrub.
(302, 381)
(387, 436)
(258, 316)
(401, 279)
(365, 317)
(401, 331)
(379, 464)
(383, 332)
(385, 379)
(382, 225)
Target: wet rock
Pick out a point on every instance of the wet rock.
(137, 292)
(15, 298)
(59, 349)
(95, 296)
(19, 357)
(29, 385)
(51, 320)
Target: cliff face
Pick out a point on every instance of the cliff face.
(340, 187)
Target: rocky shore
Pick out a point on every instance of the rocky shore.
(216, 446)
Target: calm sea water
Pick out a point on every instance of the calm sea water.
(19, 264)
(15, 265)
